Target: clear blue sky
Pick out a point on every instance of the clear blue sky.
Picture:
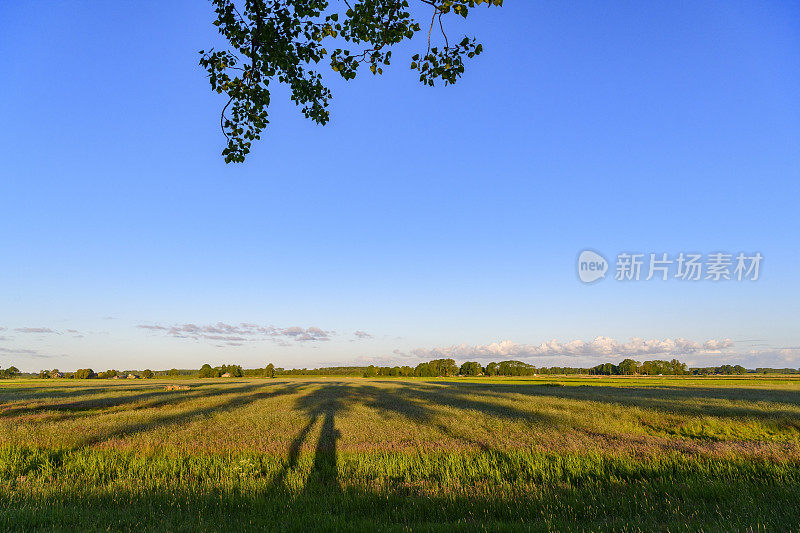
(424, 218)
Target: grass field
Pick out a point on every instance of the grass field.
(634, 454)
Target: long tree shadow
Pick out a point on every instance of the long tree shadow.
(419, 401)
(47, 391)
(422, 403)
(236, 397)
(695, 401)
(11, 393)
(155, 396)
(326, 403)
(328, 503)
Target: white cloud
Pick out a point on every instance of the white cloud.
(244, 332)
(717, 345)
(599, 347)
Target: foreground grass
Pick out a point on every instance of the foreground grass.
(570, 454)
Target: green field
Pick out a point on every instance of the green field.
(633, 454)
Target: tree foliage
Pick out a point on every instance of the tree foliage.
(437, 367)
(470, 368)
(509, 368)
(8, 373)
(207, 371)
(285, 40)
(85, 373)
(728, 369)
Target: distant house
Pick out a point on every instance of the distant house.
(133, 376)
(226, 375)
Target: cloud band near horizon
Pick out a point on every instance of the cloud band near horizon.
(599, 347)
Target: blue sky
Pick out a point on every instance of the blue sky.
(433, 221)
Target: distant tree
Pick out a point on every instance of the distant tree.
(443, 367)
(470, 368)
(667, 368)
(678, 368)
(738, 369)
(108, 374)
(605, 369)
(423, 370)
(234, 370)
(505, 369)
(269, 371)
(371, 371)
(147, 374)
(44, 374)
(628, 367)
(55, 373)
(9, 372)
(174, 373)
(85, 373)
(206, 371)
(491, 369)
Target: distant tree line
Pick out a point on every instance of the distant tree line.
(437, 367)
(8, 373)
(448, 367)
(716, 370)
(207, 371)
(777, 370)
(271, 371)
(434, 368)
(88, 373)
(629, 367)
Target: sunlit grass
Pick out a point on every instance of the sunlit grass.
(535, 453)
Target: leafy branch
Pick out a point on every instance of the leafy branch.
(283, 40)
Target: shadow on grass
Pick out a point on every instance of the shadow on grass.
(70, 390)
(233, 398)
(649, 505)
(694, 401)
(153, 396)
(327, 502)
